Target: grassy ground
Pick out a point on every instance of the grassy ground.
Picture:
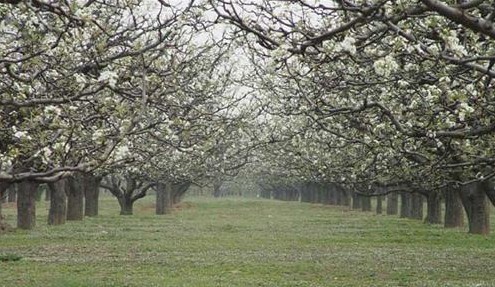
(244, 242)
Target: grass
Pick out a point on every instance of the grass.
(243, 242)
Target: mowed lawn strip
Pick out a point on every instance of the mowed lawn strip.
(243, 242)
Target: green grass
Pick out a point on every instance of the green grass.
(244, 242)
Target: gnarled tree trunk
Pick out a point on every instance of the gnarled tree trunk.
(217, 191)
(405, 204)
(433, 208)
(346, 196)
(392, 203)
(75, 199)
(163, 200)
(416, 206)
(91, 194)
(365, 203)
(126, 205)
(26, 204)
(4, 187)
(475, 203)
(490, 192)
(379, 205)
(12, 197)
(305, 194)
(454, 214)
(356, 201)
(179, 190)
(58, 202)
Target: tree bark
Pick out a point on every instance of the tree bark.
(313, 191)
(57, 214)
(379, 204)
(126, 205)
(365, 203)
(12, 193)
(91, 194)
(163, 200)
(454, 215)
(490, 192)
(75, 199)
(179, 190)
(339, 195)
(26, 204)
(346, 196)
(3, 193)
(4, 187)
(356, 201)
(417, 206)
(405, 205)
(434, 208)
(392, 203)
(217, 191)
(305, 192)
(475, 203)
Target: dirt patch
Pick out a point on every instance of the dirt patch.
(176, 207)
(184, 205)
(148, 207)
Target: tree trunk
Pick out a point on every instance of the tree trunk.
(433, 208)
(417, 206)
(4, 187)
(216, 190)
(163, 200)
(475, 203)
(126, 205)
(332, 195)
(91, 194)
(58, 202)
(12, 193)
(3, 194)
(454, 215)
(356, 201)
(26, 204)
(313, 193)
(405, 205)
(339, 195)
(365, 203)
(346, 196)
(490, 192)
(392, 203)
(180, 190)
(379, 205)
(305, 192)
(75, 199)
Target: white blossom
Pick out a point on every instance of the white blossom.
(22, 135)
(385, 66)
(347, 45)
(109, 77)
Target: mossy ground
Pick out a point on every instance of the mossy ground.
(243, 242)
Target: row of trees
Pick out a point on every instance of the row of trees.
(393, 200)
(125, 96)
(364, 94)
(75, 197)
(376, 93)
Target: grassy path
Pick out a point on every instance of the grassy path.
(244, 242)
